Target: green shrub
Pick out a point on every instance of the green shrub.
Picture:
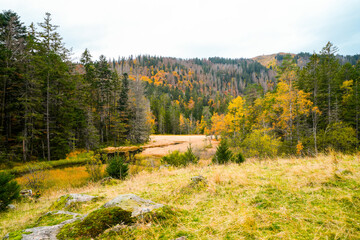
(93, 167)
(174, 159)
(239, 158)
(117, 168)
(338, 136)
(189, 156)
(178, 159)
(261, 145)
(223, 153)
(9, 190)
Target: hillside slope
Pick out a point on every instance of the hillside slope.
(270, 60)
(304, 198)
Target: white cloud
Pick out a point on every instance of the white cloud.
(197, 28)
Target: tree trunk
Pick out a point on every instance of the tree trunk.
(48, 117)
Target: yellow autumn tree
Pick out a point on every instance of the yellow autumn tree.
(218, 125)
(282, 111)
(200, 126)
(236, 118)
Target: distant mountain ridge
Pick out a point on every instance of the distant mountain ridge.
(301, 59)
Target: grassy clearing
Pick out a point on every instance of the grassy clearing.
(299, 198)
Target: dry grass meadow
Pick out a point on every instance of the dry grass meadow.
(297, 198)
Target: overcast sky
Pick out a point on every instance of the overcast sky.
(198, 28)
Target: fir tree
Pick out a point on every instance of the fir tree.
(223, 153)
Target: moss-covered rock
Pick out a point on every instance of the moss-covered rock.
(96, 223)
(133, 203)
(147, 225)
(81, 203)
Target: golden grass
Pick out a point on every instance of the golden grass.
(298, 198)
(60, 179)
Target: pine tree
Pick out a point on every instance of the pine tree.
(9, 190)
(117, 168)
(123, 108)
(223, 154)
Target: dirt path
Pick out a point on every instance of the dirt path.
(171, 143)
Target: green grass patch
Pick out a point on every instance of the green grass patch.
(50, 219)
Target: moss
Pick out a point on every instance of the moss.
(160, 219)
(96, 223)
(50, 219)
(17, 235)
(79, 207)
(127, 233)
(60, 203)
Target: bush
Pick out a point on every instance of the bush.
(178, 159)
(223, 154)
(189, 156)
(174, 159)
(93, 167)
(261, 145)
(117, 168)
(36, 175)
(239, 158)
(9, 190)
(338, 136)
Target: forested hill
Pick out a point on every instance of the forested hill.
(209, 76)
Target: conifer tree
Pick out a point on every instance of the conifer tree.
(223, 154)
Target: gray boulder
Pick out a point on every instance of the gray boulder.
(11, 206)
(44, 233)
(136, 205)
(75, 197)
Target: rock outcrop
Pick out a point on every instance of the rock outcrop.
(133, 203)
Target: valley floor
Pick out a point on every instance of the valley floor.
(300, 198)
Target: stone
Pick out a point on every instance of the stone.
(45, 233)
(136, 205)
(67, 200)
(64, 212)
(198, 179)
(10, 206)
(164, 166)
(74, 197)
(26, 193)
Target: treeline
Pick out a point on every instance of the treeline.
(50, 106)
(311, 109)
